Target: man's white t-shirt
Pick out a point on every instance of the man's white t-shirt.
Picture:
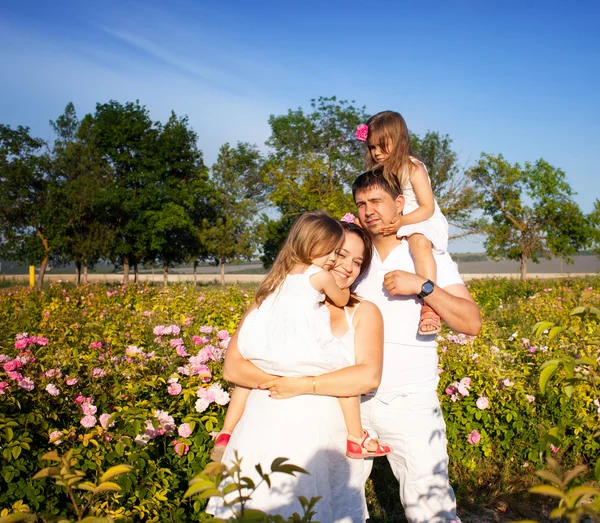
(410, 361)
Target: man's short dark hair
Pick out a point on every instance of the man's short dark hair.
(373, 180)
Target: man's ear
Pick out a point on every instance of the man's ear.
(399, 201)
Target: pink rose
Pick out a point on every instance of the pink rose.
(26, 384)
(450, 390)
(181, 449)
(474, 438)
(55, 437)
(14, 375)
(181, 351)
(174, 389)
(348, 218)
(52, 389)
(104, 421)
(553, 449)
(482, 403)
(71, 381)
(88, 421)
(184, 430)
(206, 330)
(96, 345)
(362, 132)
(3, 387)
(199, 340)
(88, 409)
(223, 335)
(530, 398)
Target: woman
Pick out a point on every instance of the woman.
(307, 426)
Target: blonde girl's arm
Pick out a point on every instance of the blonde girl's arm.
(357, 379)
(420, 182)
(237, 369)
(324, 282)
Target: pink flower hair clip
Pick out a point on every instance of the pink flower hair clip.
(362, 132)
(349, 218)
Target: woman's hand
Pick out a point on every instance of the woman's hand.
(284, 388)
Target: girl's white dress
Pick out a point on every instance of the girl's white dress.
(281, 337)
(435, 229)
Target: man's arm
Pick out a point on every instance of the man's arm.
(453, 303)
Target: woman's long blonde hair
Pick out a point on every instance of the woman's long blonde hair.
(385, 127)
(313, 234)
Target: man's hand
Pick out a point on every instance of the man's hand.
(393, 227)
(402, 283)
(284, 388)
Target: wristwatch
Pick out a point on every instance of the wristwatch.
(426, 289)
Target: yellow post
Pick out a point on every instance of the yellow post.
(31, 276)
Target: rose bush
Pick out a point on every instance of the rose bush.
(132, 375)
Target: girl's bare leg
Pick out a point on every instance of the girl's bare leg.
(421, 250)
(235, 408)
(351, 411)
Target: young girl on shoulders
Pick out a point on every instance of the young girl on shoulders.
(422, 222)
(289, 312)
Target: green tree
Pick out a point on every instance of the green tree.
(29, 229)
(453, 189)
(181, 197)
(314, 159)
(82, 176)
(127, 140)
(594, 226)
(531, 211)
(238, 197)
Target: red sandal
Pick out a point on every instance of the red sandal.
(429, 318)
(221, 442)
(360, 451)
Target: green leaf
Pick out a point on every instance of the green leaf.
(16, 452)
(9, 434)
(578, 311)
(115, 471)
(597, 470)
(86, 485)
(198, 486)
(107, 486)
(542, 326)
(547, 490)
(47, 472)
(545, 375)
(554, 331)
(51, 456)
(595, 311)
(583, 490)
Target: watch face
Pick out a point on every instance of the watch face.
(427, 288)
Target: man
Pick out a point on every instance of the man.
(405, 411)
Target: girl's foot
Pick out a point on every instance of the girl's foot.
(430, 323)
(366, 447)
(221, 442)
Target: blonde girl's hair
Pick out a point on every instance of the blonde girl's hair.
(385, 127)
(312, 235)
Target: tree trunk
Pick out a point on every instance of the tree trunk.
(85, 273)
(523, 268)
(166, 273)
(223, 272)
(42, 271)
(136, 273)
(40, 280)
(196, 272)
(77, 273)
(126, 269)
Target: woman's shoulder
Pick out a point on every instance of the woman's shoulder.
(366, 310)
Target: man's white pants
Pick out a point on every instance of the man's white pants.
(414, 427)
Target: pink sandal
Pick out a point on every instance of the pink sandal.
(360, 451)
(221, 442)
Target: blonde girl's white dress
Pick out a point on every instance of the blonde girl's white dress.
(308, 430)
(435, 229)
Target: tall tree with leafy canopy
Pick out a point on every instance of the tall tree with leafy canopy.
(82, 177)
(239, 194)
(530, 209)
(29, 229)
(127, 140)
(182, 197)
(452, 188)
(314, 159)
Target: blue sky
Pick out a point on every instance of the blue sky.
(515, 77)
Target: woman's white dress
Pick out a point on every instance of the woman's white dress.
(435, 229)
(280, 338)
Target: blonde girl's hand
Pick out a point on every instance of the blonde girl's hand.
(393, 227)
(284, 388)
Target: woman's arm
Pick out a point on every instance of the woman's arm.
(239, 370)
(362, 377)
(324, 282)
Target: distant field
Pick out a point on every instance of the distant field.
(581, 264)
